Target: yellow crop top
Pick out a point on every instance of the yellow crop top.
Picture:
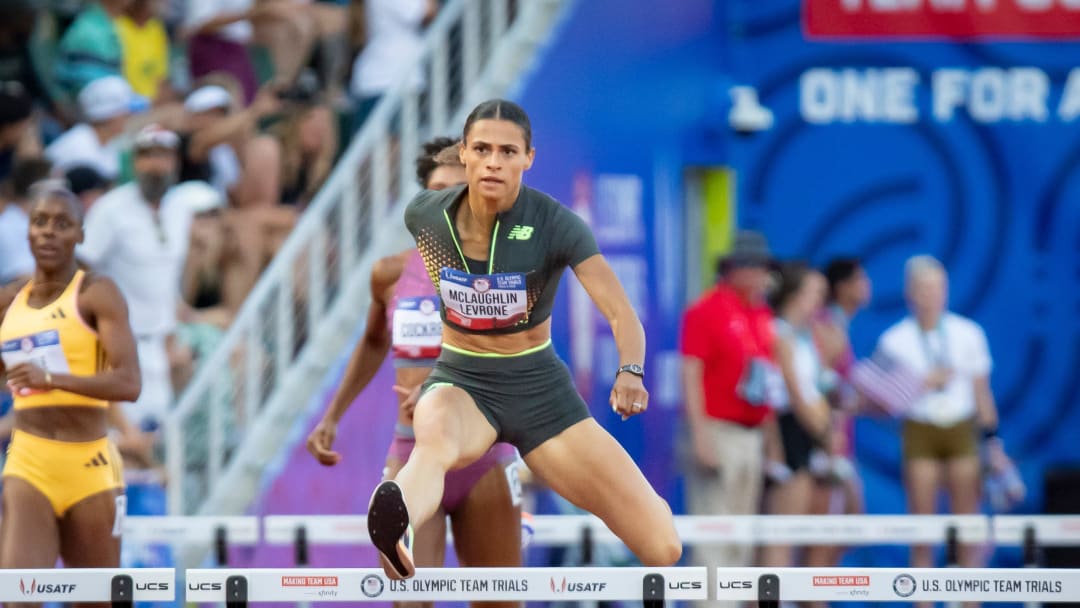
(56, 339)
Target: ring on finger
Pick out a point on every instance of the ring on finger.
(637, 406)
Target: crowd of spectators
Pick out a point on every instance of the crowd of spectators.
(195, 132)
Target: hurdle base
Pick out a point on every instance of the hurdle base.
(236, 592)
(652, 590)
(122, 592)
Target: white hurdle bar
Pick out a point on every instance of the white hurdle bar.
(120, 587)
(563, 530)
(221, 531)
(769, 586)
(651, 585)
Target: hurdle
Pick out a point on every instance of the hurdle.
(1033, 532)
(219, 531)
(119, 587)
(653, 586)
(769, 586)
(303, 531)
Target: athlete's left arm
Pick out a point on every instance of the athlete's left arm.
(120, 379)
(607, 293)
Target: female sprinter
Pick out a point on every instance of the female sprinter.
(68, 351)
(404, 320)
(495, 250)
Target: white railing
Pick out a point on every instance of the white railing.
(235, 413)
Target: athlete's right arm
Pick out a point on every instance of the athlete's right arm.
(364, 362)
(7, 296)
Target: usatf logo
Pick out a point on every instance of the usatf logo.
(35, 588)
(564, 587)
(371, 585)
(520, 233)
(904, 585)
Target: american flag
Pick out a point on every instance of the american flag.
(887, 383)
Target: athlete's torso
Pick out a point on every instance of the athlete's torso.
(413, 316)
(514, 289)
(55, 338)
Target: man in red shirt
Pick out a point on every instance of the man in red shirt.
(727, 348)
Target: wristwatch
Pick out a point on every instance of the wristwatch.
(632, 368)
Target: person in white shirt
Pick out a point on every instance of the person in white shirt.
(106, 104)
(138, 235)
(942, 427)
(393, 40)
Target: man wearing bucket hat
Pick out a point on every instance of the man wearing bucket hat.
(726, 345)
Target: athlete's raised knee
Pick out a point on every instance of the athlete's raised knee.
(663, 550)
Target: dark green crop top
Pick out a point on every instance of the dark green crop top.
(531, 244)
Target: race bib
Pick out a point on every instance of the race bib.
(41, 349)
(483, 301)
(417, 328)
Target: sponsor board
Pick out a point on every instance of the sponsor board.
(449, 584)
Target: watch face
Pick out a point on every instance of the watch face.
(633, 368)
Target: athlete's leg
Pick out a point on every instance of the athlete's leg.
(450, 433)
(90, 533)
(429, 542)
(585, 465)
(29, 533)
(487, 527)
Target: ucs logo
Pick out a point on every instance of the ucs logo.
(204, 586)
(684, 585)
(735, 584)
(151, 586)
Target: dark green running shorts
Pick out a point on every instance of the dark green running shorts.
(528, 398)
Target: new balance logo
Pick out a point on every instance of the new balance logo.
(58, 314)
(520, 233)
(97, 461)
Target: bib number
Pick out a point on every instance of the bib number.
(513, 479)
(42, 349)
(483, 301)
(417, 328)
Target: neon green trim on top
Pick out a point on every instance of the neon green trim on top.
(491, 254)
(435, 385)
(527, 351)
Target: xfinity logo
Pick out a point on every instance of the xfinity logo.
(735, 584)
(204, 586)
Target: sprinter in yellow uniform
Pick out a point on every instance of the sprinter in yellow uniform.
(67, 350)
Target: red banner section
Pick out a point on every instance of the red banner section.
(941, 18)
